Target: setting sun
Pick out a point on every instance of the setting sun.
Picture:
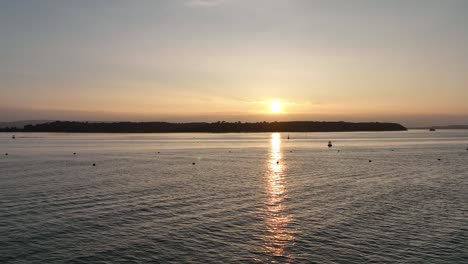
(275, 106)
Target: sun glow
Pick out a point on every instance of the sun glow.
(275, 106)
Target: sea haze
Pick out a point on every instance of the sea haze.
(393, 197)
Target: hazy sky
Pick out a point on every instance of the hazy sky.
(181, 60)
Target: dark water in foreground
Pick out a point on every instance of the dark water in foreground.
(250, 198)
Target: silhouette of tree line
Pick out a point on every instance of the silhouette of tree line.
(216, 127)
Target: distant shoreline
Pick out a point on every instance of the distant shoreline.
(451, 127)
(202, 127)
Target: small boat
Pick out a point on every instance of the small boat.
(432, 129)
(330, 144)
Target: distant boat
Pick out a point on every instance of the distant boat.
(330, 144)
(432, 129)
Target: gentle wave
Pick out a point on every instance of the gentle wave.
(249, 198)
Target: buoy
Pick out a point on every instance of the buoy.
(159, 152)
(6, 154)
(193, 163)
(277, 162)
(330, 144)
(370, 160)
(438, 159)
(13, 137)
(74, 153)
(94, 164)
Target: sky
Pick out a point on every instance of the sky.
(400, 61)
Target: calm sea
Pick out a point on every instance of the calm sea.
(234, 198)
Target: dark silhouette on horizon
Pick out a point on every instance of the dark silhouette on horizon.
(216, 127)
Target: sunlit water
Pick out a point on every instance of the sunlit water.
(249, 198)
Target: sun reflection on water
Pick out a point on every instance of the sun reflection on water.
(278, 235)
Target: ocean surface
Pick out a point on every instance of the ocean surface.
(374, 197)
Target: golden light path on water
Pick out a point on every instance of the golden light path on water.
(276, 219)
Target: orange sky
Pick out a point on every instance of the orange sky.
(402, 61)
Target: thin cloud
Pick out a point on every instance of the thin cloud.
(205, 3)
